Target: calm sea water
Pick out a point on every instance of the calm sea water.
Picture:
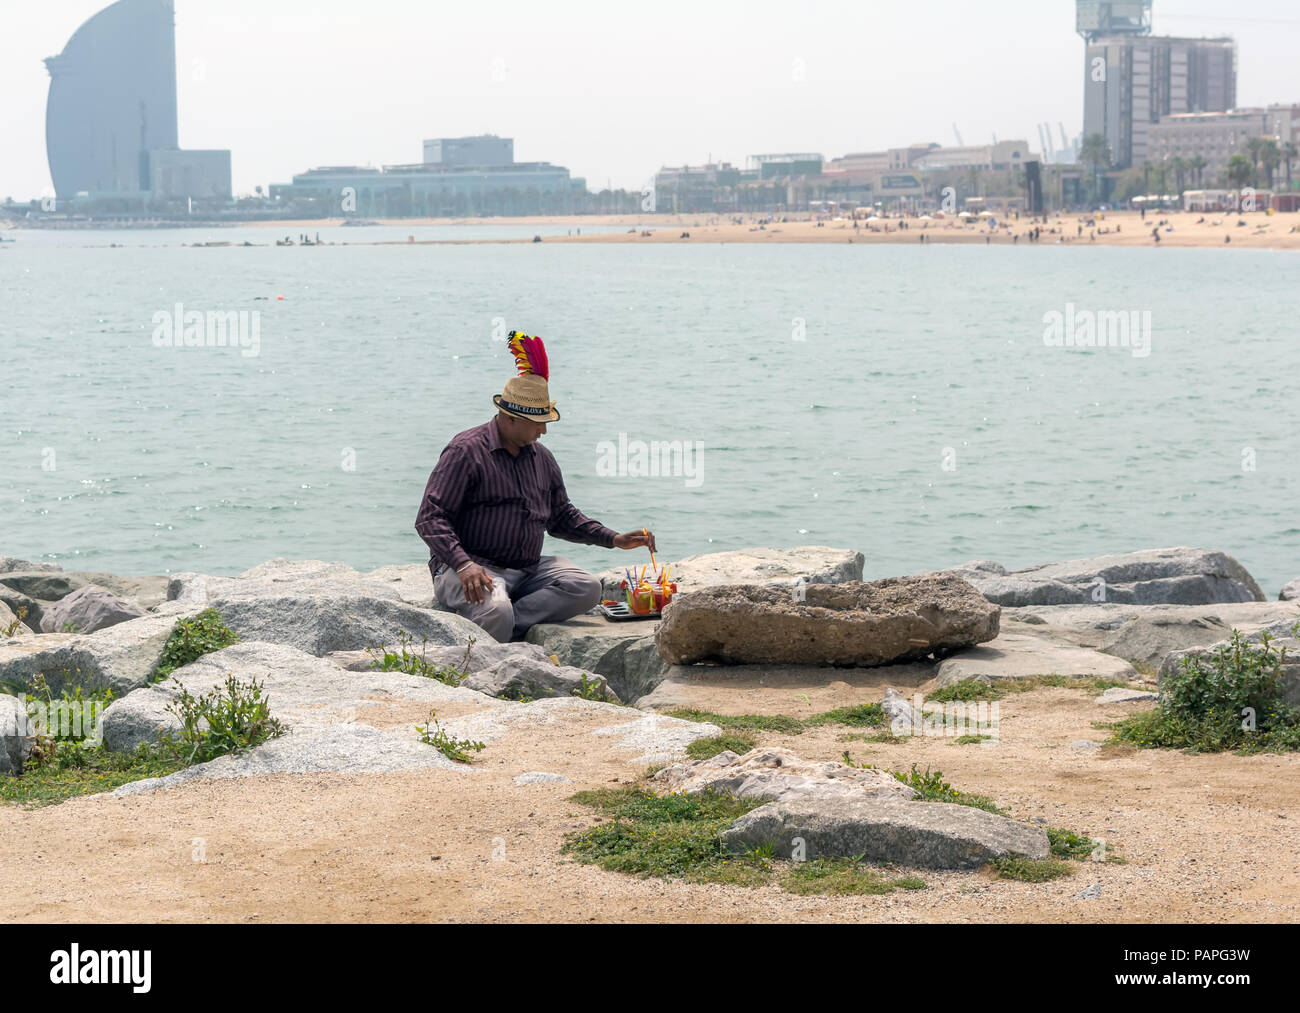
(900, 400)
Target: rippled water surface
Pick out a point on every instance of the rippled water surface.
(894, 399)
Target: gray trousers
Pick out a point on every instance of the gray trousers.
(550, 592)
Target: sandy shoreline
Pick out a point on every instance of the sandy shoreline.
(1116, 228)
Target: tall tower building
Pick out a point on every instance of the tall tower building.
(111, 123)
(1132, 78)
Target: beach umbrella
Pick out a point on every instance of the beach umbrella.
(965, 214)
(874, 218)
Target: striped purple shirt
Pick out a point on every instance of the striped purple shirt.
(486, 506)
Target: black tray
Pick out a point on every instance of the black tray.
(620, 613)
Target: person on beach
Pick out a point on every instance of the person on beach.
(493, 496)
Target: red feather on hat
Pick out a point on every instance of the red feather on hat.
(530, 355)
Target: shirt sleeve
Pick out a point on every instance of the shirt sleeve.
(452, 478)
(571, 524)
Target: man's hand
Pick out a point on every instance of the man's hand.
(476, 582)
(636, 540)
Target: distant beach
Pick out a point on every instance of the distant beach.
(1256, 231)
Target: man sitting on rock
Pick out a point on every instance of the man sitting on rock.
(491, 499)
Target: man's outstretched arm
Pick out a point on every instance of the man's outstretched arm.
(571, 524)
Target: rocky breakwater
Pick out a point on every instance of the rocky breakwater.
(831, 810)
(852, 624)
(1178, 576)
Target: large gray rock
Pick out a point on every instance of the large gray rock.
(281, 578)
(304, 692)
(814, 564)
(41, 584)
(8, 564)
(15, 736)
(412, 582)
(865, 624)
(519, 678)
(120, 658)
(322, 624)
(1015, 656)
(1178, 576)
(1147, 640)
(779, 776)
(931, 835)
(87, 610)
(624, 653)
(1291, 592)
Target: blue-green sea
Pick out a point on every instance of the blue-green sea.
(895, 399)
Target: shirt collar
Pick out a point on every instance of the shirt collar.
(495, 442)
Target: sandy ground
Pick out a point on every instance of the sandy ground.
(1115, 228)
(1204, 838)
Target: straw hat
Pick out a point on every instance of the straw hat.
(526, 396)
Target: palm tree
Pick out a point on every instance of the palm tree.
(1240, 172)
(1270, 155)
(1095, 153)
(1197, 165)
(1289, 151)
(1255, 145)
(1179, 167)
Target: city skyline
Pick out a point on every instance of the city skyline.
(616, 100)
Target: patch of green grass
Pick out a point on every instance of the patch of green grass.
(971, 740)
(743, 722)
(705, 749)
(1232, 699)
(843, 877)
(408, 662)
(1068, 844)
(433, 734)
(678, 836)
(230, 718)
(866, 715)
(77, 770)
(670, 835)
(886, 737)
(967, 690)
(593, 689)
(191, 639)
(931, 787)
(1031, 870)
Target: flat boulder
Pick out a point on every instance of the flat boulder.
(519, 678)
(1177, 576)
(1013, 656)
(321, 624)
(15, 736)
(813, 564)
(930, 835)
(779, 775)
(279, 578)
(857, 623)
(42, 585)
(87, 610)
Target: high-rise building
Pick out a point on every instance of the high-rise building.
(1133, 78)
(485, 149)
(111, 123)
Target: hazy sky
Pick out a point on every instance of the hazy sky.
(612, 90)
